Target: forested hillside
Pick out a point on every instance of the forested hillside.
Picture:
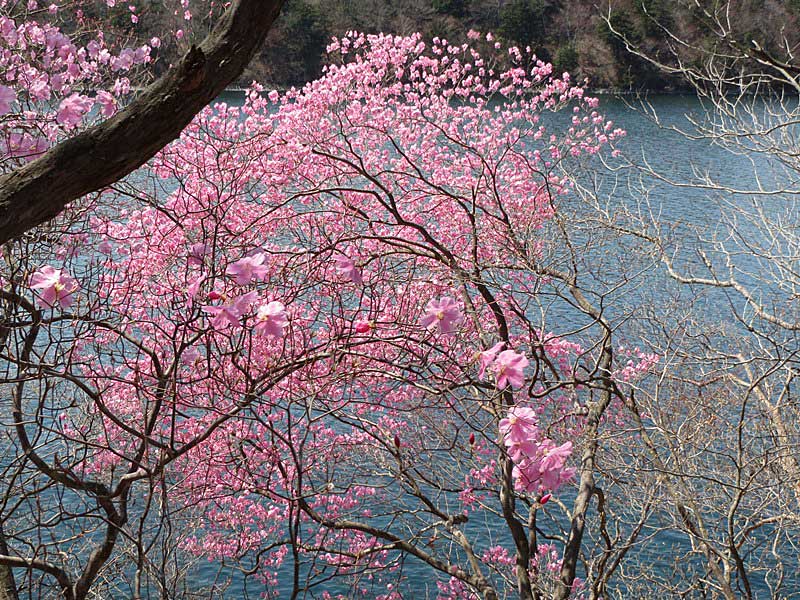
(572, 34)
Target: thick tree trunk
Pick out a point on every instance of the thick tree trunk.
(103, 154)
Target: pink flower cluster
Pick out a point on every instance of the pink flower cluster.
(271, 319)
(248, 268)
(443, 314)
(55, 287)
(347, 268)
(51, 83)
(639, 364)
(539, 464)
(507, 366)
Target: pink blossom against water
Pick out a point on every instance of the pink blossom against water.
(248, 268)
(519, 425)
(55, 288)
(487, 357)
(509, 369)
(232, 476)
(443, 314)
(271, 319)
(347, 268)
(229, 314)
(539, 464)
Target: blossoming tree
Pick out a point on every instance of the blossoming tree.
(315, 333)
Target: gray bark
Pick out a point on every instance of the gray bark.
(8, 587)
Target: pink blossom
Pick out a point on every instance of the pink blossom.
(7, 96)
(40, 89)
(23, 146)
(122, 86)
(141, 55)
(519, 426)
(194, 286)
(107, 102)
(545, 469)
(227, 315)
(197, 253)
(56, 287)
(444, 314)
(271, 319)
(346, 267)
(190, 356)
(539, 464)
(248, 268)
(553, 457)
(72, 109)
(508, 369)
(124, 61)
(487, 357)
(363, 326)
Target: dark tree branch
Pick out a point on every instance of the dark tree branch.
(103, 154)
